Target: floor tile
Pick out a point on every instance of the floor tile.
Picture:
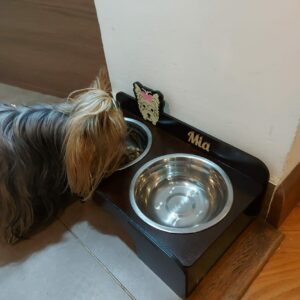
(15, 95)
(54, 265)
(106, 238)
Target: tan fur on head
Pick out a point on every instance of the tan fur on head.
(95, 140)
(102, 81)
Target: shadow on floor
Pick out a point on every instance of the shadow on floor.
(20, 251)
(97, 215)
(92, 213)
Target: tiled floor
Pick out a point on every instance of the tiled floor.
(15, 95)
(84, 255)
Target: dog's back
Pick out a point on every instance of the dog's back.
(32, 173)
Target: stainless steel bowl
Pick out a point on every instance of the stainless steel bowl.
(181, 193)
(139, 137)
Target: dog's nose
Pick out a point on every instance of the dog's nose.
(148, 115)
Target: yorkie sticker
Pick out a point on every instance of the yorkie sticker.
(150, 102)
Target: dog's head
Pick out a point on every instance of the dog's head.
(95, 140)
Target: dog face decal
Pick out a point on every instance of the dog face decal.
(150, 102)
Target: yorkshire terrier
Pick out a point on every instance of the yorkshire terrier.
(48, 152)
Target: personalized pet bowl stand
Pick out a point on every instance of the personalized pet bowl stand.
(181, 260)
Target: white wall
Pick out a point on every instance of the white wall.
(230, 68)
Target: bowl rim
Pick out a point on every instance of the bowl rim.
(145, 152)
(194, 229)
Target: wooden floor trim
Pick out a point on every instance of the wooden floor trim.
(235, 271)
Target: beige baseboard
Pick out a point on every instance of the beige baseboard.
(281, 199)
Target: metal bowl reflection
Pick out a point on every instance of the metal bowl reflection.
(138, 142)
(181, 193)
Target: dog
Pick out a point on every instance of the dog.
(51, 152)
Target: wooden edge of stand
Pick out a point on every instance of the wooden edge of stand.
(237, 268)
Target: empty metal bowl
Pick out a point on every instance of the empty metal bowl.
(181, 193)
(138, 142)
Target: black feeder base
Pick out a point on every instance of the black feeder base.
(182, 260)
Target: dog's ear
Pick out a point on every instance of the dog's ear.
(95, 141)
(102, 81)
